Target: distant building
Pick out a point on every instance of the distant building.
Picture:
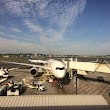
(6, 56)
(35, 55)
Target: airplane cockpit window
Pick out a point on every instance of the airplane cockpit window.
(58, 68)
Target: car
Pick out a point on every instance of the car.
(32, 85)
(40, 87)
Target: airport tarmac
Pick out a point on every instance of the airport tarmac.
(89, 85)
(19, 74)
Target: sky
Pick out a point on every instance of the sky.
(78, 27)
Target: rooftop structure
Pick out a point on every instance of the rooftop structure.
(77, 102)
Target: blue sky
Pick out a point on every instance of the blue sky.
(55, 26)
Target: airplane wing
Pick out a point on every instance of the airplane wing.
(38, 61)
(11, 69)
(31, 65)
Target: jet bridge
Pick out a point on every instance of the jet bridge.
(84, 67)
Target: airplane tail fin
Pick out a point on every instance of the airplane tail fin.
(50, 56)
(29, 58)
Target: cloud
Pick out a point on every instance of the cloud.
(60, 16)
(51, 36)
(84, 48)
(48, 18)
(14, 46)
(81, 48)
(13, 7)
(1, 33)
(15, 29)
(56, 14)
(31, 26)
(8, 36)
(62, 13)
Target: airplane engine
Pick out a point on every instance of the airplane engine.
(34, 71)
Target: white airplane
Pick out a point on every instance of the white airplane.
(53, 67)
(95, 60)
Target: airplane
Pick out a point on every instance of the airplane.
(51, 67)
(95, 60)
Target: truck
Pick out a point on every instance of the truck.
(3, 73)
(14, 88)
(3, 90)
(37, 85)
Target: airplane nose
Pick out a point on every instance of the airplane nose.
(61, 74)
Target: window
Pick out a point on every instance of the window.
(59, 68)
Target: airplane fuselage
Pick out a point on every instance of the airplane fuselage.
(58, 68)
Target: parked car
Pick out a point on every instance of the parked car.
(40, 87)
